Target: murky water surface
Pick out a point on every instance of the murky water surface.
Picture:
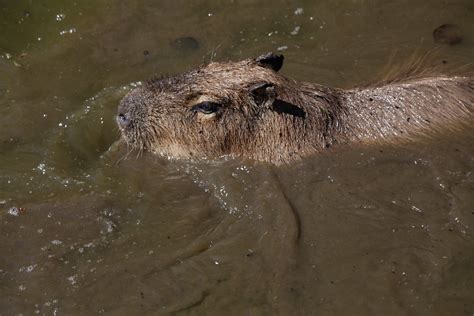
(355, 231)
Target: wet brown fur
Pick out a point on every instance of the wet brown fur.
(265, 116)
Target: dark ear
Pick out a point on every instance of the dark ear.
(263, 94)
(270, 61)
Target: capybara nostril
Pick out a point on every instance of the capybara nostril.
(123, 120)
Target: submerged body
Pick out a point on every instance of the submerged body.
(247, 109)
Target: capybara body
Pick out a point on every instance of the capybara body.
(247, 109)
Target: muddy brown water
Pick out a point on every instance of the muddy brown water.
(358, 230)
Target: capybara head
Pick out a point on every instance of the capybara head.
(217, 109)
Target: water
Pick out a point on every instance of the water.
(357, 230)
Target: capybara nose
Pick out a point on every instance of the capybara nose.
(123, 120)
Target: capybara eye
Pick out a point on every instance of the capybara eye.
(206, 107)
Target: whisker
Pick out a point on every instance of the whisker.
(213, 52)
(121, 159)
(124, 156)
(140, 152)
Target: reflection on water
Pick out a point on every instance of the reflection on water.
(88, 228)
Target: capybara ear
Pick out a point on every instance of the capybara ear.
(263, 94)
(271, 61)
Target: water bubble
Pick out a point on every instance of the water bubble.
(72, 279)
(110, 226)
(14, 211)
(60, 17)
(28, 269)
(295, 30)
(42, 168)
(70, 31)
(298, 11)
